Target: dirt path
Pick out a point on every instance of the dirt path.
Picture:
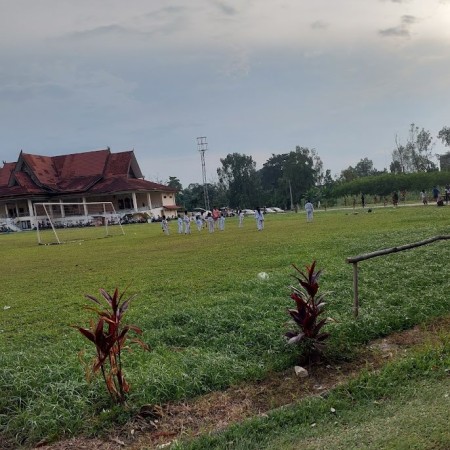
(157, 427)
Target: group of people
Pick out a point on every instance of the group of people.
(436, 194)
(215, 220)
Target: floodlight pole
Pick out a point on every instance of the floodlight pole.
(202, 146)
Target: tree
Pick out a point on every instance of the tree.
(400, 159)
(293, 173)
(300, 172)
(348, 174)
(444, 136)
(365, 168)
(193, 196)
(174, 183)
(239, 178)
(415, 155)
(270, 176)
(395, 167)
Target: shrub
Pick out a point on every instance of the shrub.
(309, 306)
(109, 336)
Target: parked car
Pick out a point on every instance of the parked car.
(248, 212)
(277, 210)
(269, 211)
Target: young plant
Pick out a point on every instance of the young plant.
(109, 335)
(310, 306)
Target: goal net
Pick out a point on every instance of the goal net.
(58, 223)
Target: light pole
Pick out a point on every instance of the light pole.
(202, 146)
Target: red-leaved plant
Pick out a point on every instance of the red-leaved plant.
(109, 336)
(310, 306)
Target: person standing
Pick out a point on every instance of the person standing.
(259, 216)
(222, 222)
(165, 225)
(199, 222)
(447, 193)
(436, 193)
(210, 222)
(180, 224)
(363, 200)
(309, 208)
(395, 199)
(241, 218)
(215, 216)
(187, 223)
(423, 196)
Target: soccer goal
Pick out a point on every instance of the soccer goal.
(58, 223)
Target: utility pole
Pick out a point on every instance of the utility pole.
(290, 193)
(202, 146)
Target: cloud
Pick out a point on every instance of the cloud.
(399, 31)
(319, 25)
(167, 20)
(402, 30)
(238, 65)
(226, 9)
(104, 30)
(408, 19)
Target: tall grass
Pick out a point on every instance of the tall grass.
(210, 320)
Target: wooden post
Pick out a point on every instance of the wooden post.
(355, 290)
(386, 251)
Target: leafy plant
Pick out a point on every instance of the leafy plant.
(310, 306)
(109, 336)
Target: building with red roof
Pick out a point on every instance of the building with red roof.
(94, 176)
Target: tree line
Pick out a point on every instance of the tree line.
(288, 179)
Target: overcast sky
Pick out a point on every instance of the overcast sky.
(253, 76)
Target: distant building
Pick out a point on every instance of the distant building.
(94, 176)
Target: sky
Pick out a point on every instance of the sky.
(257, 77)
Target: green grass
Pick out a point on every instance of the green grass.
(405, 406)
(208, 318)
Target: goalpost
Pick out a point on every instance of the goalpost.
(58, 223)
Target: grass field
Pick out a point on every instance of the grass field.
(209, 319)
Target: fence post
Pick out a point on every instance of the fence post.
(385, 251)
(355, 290)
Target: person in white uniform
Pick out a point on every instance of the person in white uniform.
(222, 222)
(241, 218)
(210, 222)
(309, 208)
(259, 216)
(165, 225)
(187, 223)
(180, 225)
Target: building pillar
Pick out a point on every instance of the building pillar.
(61, 207)
(6, 210)
(135, 206)
(85, 206)
(30, 208)
(149, 200)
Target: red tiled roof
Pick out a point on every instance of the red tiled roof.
(42, 168)
(81, 165)
(121, 184)
(96, 172)
(5, 173)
